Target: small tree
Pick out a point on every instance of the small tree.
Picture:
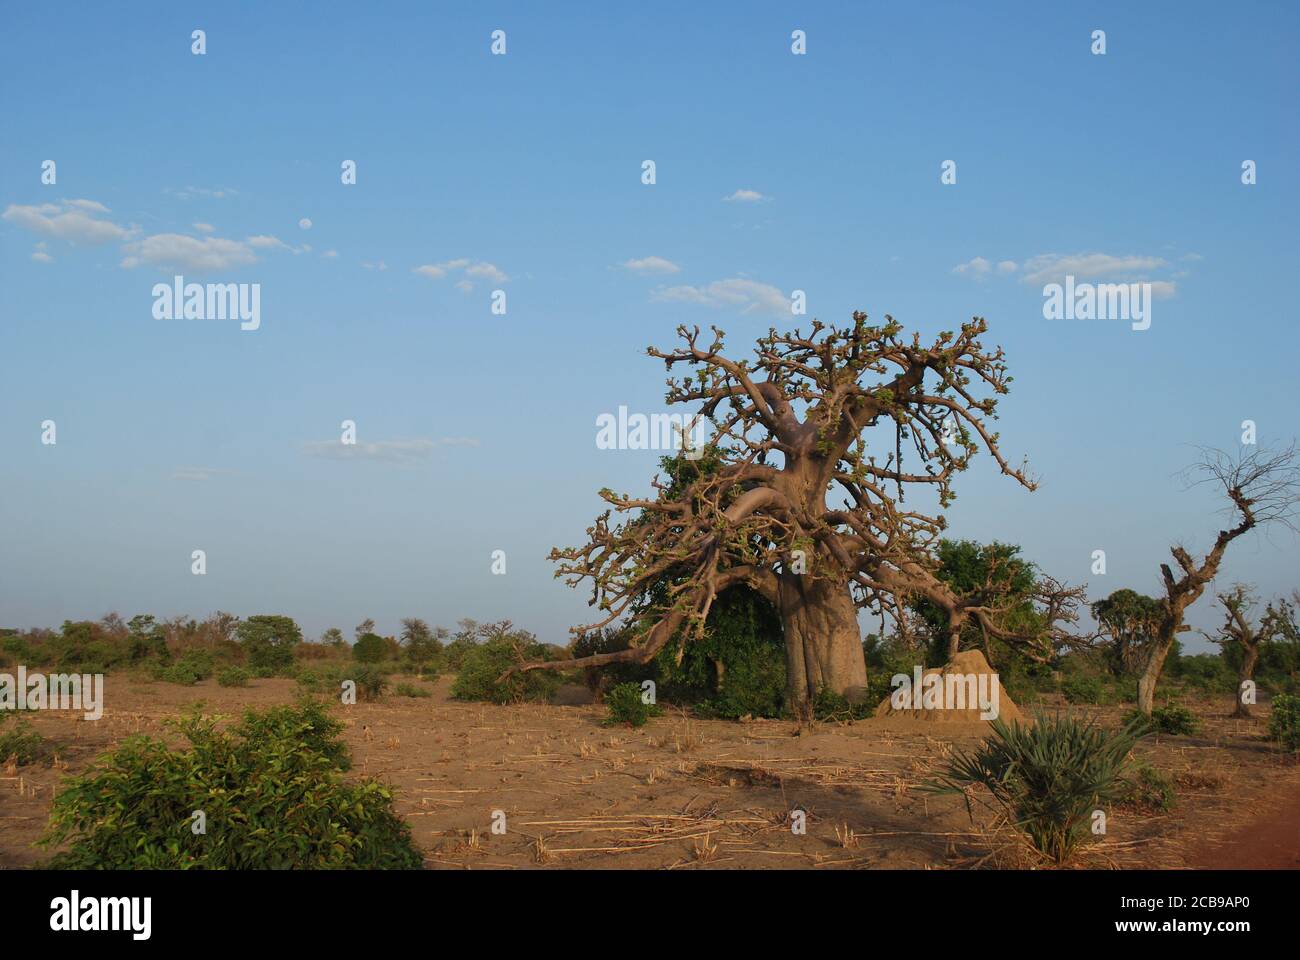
(333, 637)
(268, 641)
(365, 626)
(369, 648)
(1240, 630)
(1129, 619)
(419, 641)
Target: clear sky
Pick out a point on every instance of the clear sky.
(522, 172)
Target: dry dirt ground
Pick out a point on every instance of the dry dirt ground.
(682, 793)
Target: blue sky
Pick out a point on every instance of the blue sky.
(522, 172)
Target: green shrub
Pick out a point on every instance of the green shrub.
(831, 707)
(268, 641)
(481, 669)
(1170, 719)
(1084, 689)
(371, 683)
(21, 744)
(233, 677)
(411, 690)
(369, 648)
(1284, 722)
(1148, 791)
(626, 705)
(1047, 778)
(271, 789)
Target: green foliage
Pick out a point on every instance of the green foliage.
(411, 690)
(1171, 719)
(737, 667)
(21, 744)
(420, 643)
(268, 641)
(233, 677)
(1131, 619)
(626, 706)
(831, 707)
(994, 572)
(371, 682)
(1204, 671)
(1148, 791)
(369, 648)
(1284, 722)
(482, 666)
(194, 666)
(1086, 689)
(271, 788)
(1047, 777)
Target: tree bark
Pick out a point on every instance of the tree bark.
(1151, 674)
(1250, 656)
(823, 645)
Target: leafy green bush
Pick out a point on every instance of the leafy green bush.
(627, 706)
(371, 683)
(194, 666)
(1284, 722)
(1170, 719)
(481, 669)
(268, 641)
(271, 789)
(21, 744)
(369, 648)
(1148, 791)
(831, 707)
(233, 677)
(411, 690)
(1047, 778)
(1084, 689)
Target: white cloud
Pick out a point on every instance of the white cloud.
(392, 451)
(459, 441)
(749, 296)
(262, 242)
(204, 227)
(75, 221)
(305, 223)
(1053, 267)
(40, 256)
(330, 254)
(189, 193)
(978, 268)
(190, 253)
(1007, 266)
(746, 196)
(376, 266)
(476, 269)
(651, 265)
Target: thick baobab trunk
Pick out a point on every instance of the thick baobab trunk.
(1151, 675)
(823, 647)
(1250, 657)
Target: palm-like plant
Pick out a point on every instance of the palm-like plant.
(1047, 777)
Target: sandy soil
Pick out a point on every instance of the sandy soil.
(686, 793)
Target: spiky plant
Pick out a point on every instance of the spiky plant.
(1047, 777)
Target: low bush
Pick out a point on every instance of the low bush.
(1284, 722)
(369, 648)
(1078, 688)
(1148, 791)
(1046, 778)
(482, 666)
(627, 706)
(371, 683)
(233, 677)
(270, 788)
(411, 690)
(21, 745)
(1170, 719)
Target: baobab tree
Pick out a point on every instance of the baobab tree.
(802, 494)
(1262, 488)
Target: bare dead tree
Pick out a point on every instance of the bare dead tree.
(792, 426)
(1262, 489)
(1240, 629)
